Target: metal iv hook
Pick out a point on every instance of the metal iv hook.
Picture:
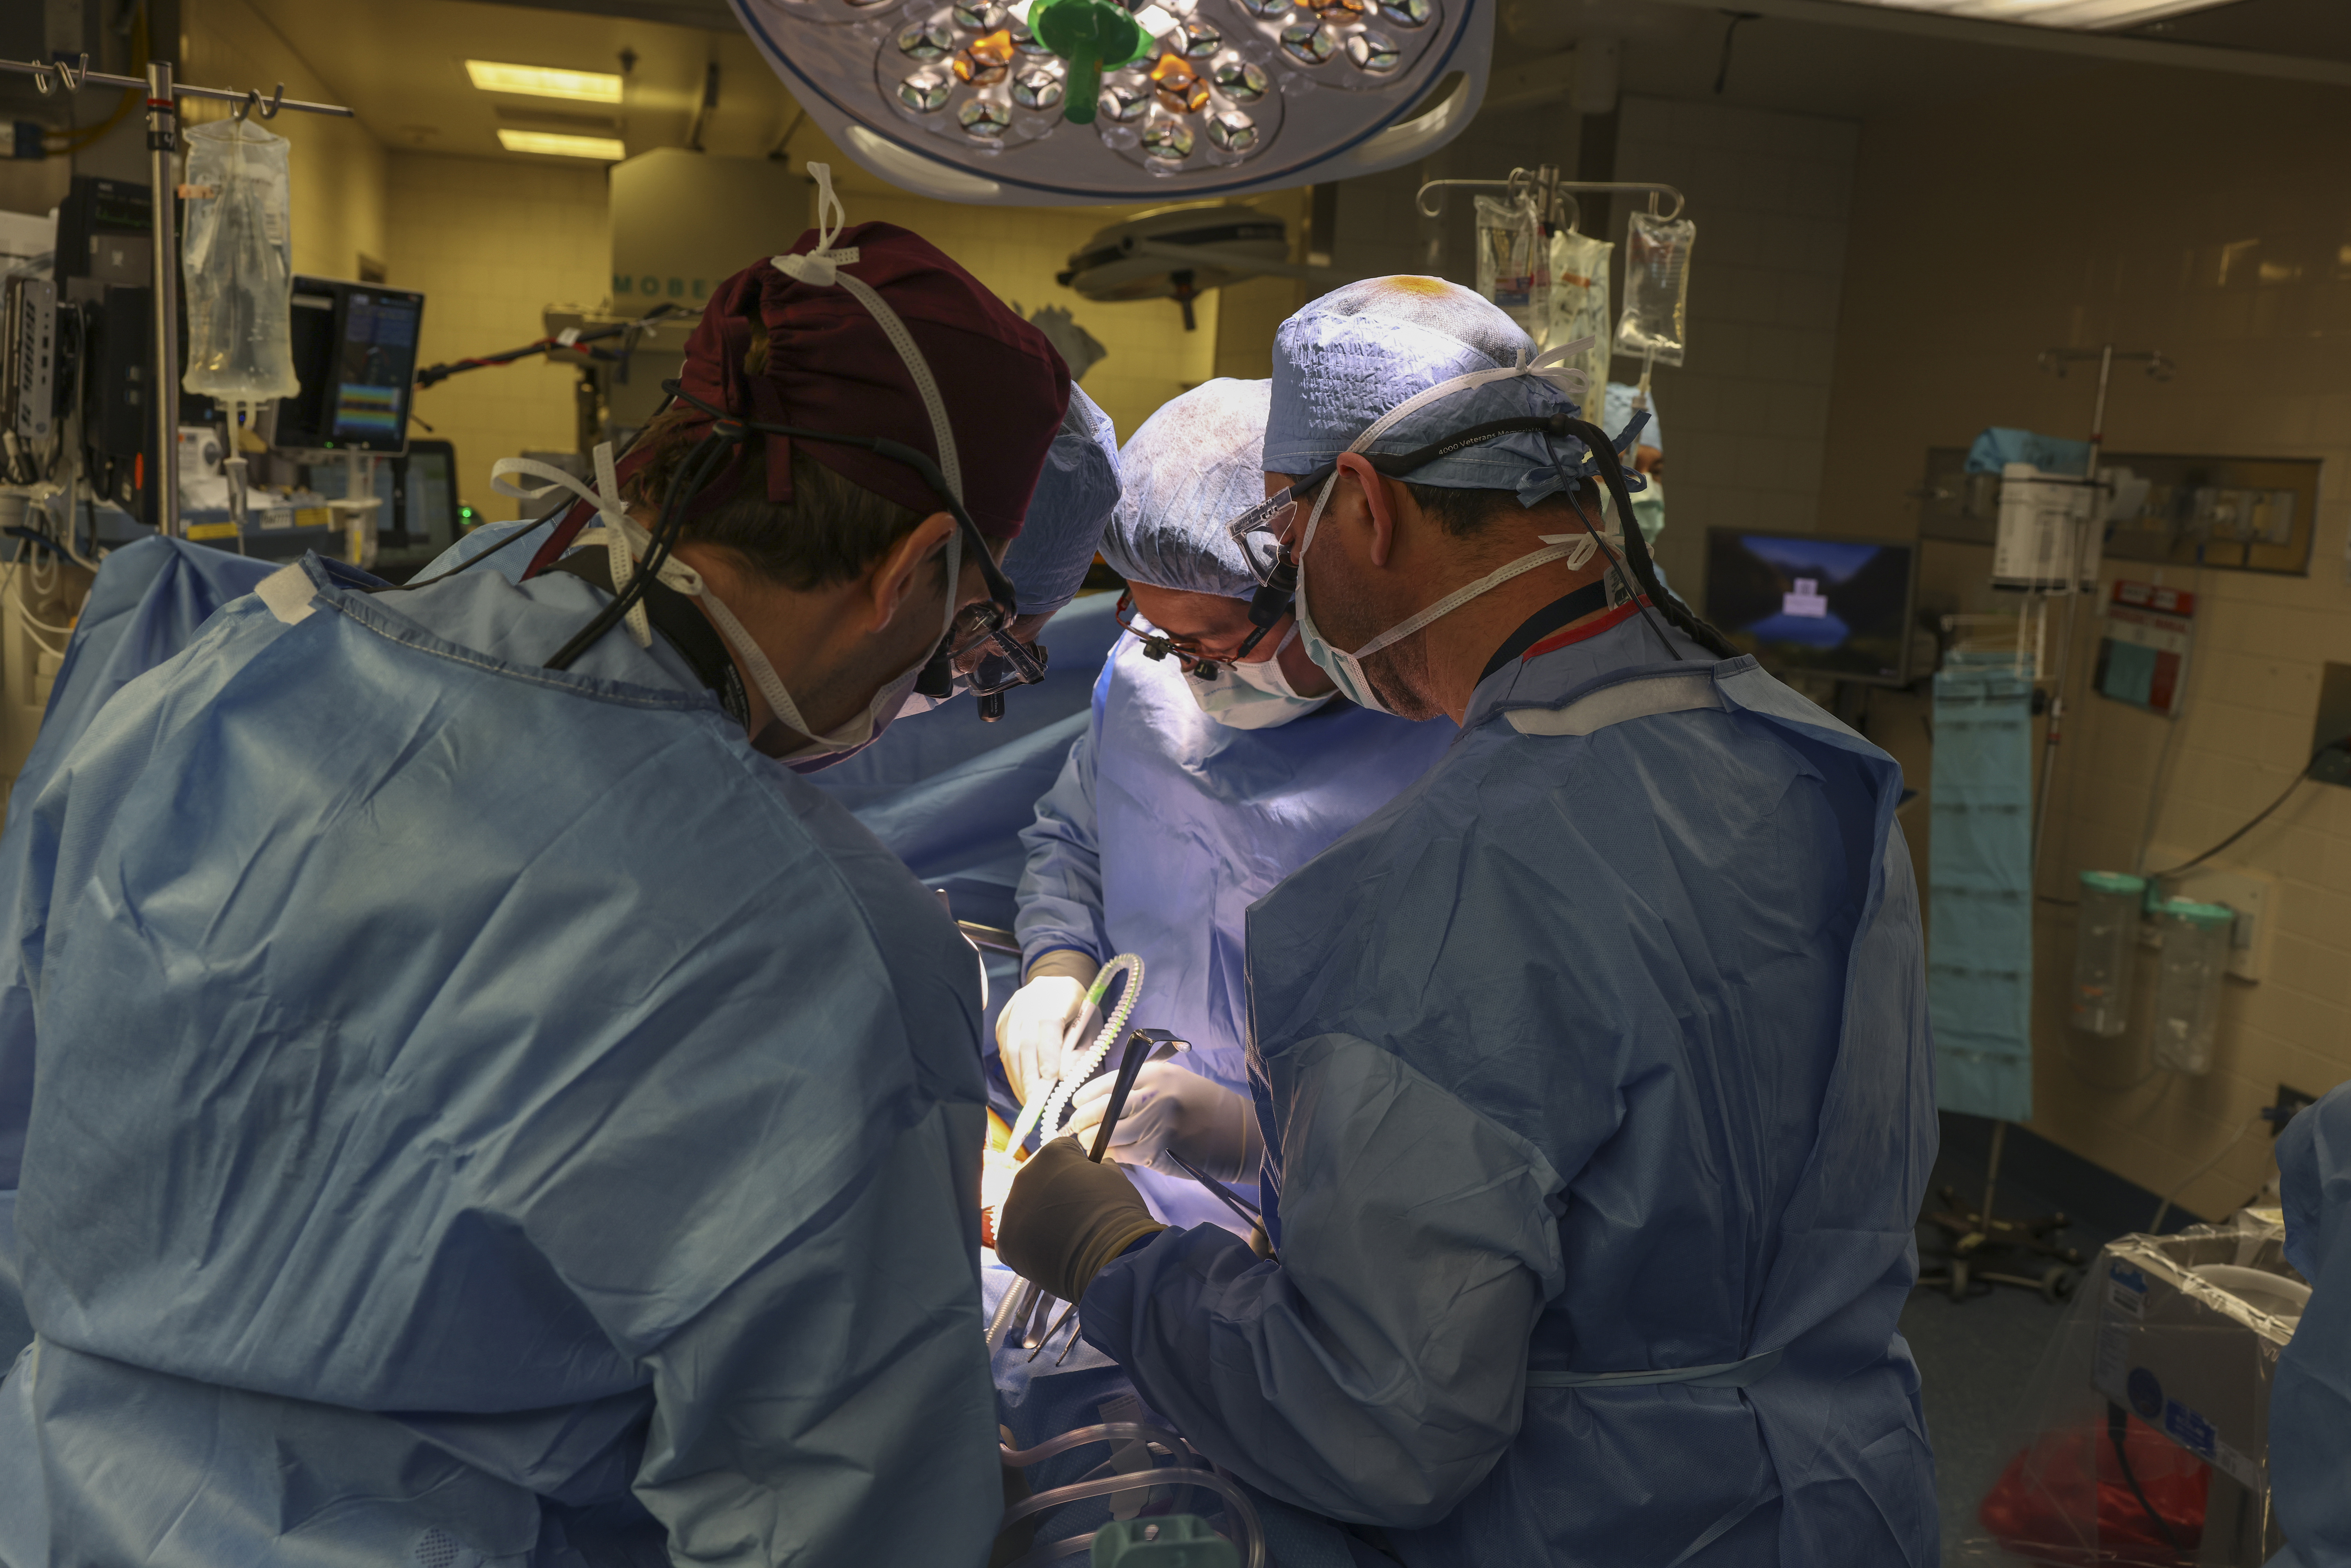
(48, 79)
(253, 100)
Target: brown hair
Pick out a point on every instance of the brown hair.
(829, 532)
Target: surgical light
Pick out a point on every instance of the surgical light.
(610, 149)
(1079, 102)
(545, 81)
(2081, 13)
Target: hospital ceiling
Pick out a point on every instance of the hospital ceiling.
(401, 66)
(402, 69)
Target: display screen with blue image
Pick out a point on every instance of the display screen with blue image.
(1811, 603)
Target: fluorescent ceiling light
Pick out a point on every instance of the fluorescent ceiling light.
(545, 81)
(2084, 13)
(608, 148)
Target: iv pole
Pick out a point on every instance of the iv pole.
(2056, 360)
(163, 97)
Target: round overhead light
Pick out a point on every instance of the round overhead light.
(1054, 101)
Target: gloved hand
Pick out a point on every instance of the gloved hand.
(1028, 1031)
(1173, 1107)
(1066, 1217)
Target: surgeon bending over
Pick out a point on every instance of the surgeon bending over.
(1205, 776)
(488, 1108)
(1593, 1072)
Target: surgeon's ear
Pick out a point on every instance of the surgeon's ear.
(894, 579)
(1380, 502)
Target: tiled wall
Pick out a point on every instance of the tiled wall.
(2097, 214)
(492, 243)
(1745, 415)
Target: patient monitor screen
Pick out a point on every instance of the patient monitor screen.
(1812, 604)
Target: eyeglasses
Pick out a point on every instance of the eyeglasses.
(1195, 661)
(993, 660)
(1263, 532)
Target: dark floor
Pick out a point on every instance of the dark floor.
(1976, 1357)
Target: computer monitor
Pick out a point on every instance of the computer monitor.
(418, 519)
(1813, 604)
(355, 353)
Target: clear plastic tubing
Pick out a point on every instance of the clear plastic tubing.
(2105, 940)
(2188, 994)
(1241, 1514)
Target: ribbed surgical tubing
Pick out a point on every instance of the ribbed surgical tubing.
(1050, 1108)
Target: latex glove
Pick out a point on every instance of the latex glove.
(1028, 1031)
(1066, 1217)
(1171, 1107)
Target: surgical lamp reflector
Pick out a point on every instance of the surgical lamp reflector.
(1079, 102)
(2080, 14)
(545, 81)
(610, 149)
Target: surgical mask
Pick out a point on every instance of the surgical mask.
(1649, 509)
(1345, 668)
(1259, 696)
(627, 540)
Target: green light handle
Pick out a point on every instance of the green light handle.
(1091, 35)
(1085, 93)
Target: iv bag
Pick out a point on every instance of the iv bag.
(1513, 270)
(237, 261)
(1579, 308)
(1656, 288)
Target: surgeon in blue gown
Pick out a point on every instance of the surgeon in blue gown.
(2310, 1400)
(490, 1113)
(1593, 1072)
(146, 604)
(1185, 800)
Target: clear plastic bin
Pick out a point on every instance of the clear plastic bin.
(2188, 994)
(2104, 942)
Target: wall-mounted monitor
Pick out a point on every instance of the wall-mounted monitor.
(1813, 604)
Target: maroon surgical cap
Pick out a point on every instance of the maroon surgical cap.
(832, 366)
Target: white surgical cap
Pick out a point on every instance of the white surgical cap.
(1193, 467)
(1347, 358)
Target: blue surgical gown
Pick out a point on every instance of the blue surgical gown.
(145, 605)
(482, 1110)
(1164, 826)
(1601, 1050)
(2310, 1399)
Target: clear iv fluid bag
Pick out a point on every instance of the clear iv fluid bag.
(1656, 288)
(1514, 262)
(1579, 308)
(237, 264)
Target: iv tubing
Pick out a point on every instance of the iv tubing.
(1188, 1471)
(1237, 1504)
